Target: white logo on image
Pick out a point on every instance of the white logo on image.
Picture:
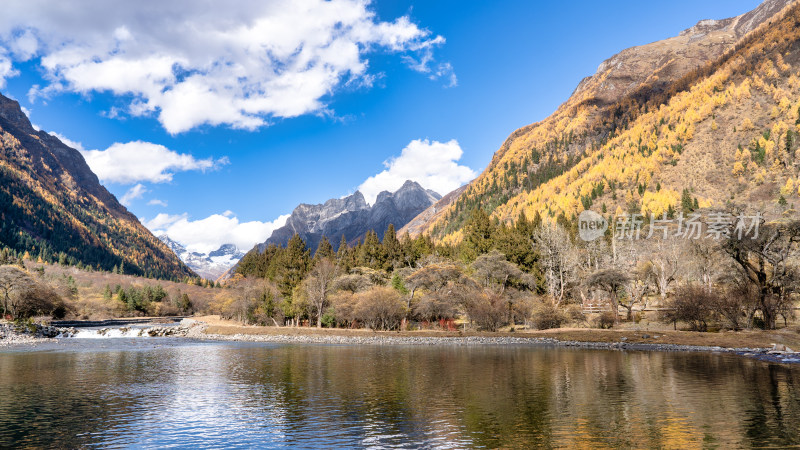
(591, 225)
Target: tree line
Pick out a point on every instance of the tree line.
(534, 272)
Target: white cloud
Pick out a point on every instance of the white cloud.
(432, 164)
(423, 62)
(6, 69)
(219, 63)
(157, 202)
(132, 194)
(136, 161)
(24, 45)
(206, 235)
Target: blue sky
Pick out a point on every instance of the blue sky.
(446, 80)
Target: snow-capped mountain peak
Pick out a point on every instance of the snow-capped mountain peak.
(209, 266)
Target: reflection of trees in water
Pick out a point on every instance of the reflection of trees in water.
(463, 396)
(775, 407)
(493, 396)
(64, 397)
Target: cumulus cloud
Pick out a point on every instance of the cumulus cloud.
(432, 164)
(132, 194)
(206, 235)
(191, 63)
(136, 161)
(157, 202)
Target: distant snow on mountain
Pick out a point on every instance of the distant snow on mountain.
(210, 266)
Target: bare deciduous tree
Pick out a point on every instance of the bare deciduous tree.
(613, 282)
(13, 282)
(487, 309)
(318, 286)
(664, 266)
(494, 271)
(705, 261)
(769, 262)
(559, 259)
(22, 296)
(692, 304)
(379, 308)
(638, 287)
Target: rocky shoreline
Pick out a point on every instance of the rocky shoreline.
(776, 354)
(765, 354)
(33, 333)
(11, 334)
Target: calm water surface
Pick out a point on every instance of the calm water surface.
(178, 393)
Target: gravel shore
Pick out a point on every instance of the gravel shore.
(196, 330)
(764, 354)
(458, 341)
(193, 329)
(11, 335)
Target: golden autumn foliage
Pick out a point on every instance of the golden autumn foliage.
(788, 188)
(657, 203)
(731, 123)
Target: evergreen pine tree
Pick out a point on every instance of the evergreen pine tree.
(324, 249)
(686, 201)
(407, 249)
(370, 252)
(342, 247)
(478, 233)
(292, 266)
(392, 248)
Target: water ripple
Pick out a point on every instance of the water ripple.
(169, 393)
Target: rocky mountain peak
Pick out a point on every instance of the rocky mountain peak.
(210, 266)
(11, 111)
(662, 62)
(173, 245)
(412, 194)
(226, 250)
(352, 217)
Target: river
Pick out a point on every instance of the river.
(172, 392)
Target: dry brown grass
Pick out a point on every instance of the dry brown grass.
(90, 304)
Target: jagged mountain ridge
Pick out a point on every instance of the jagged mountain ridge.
(434, 211)
(626, 86)
(209, 266)
(51, 203)
(352, 217)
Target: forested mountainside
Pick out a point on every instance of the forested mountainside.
(53, 208)
(709, 115)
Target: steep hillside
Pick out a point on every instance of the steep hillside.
(639, 131)
(415, 226)
(352, 217)
(53, 207)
